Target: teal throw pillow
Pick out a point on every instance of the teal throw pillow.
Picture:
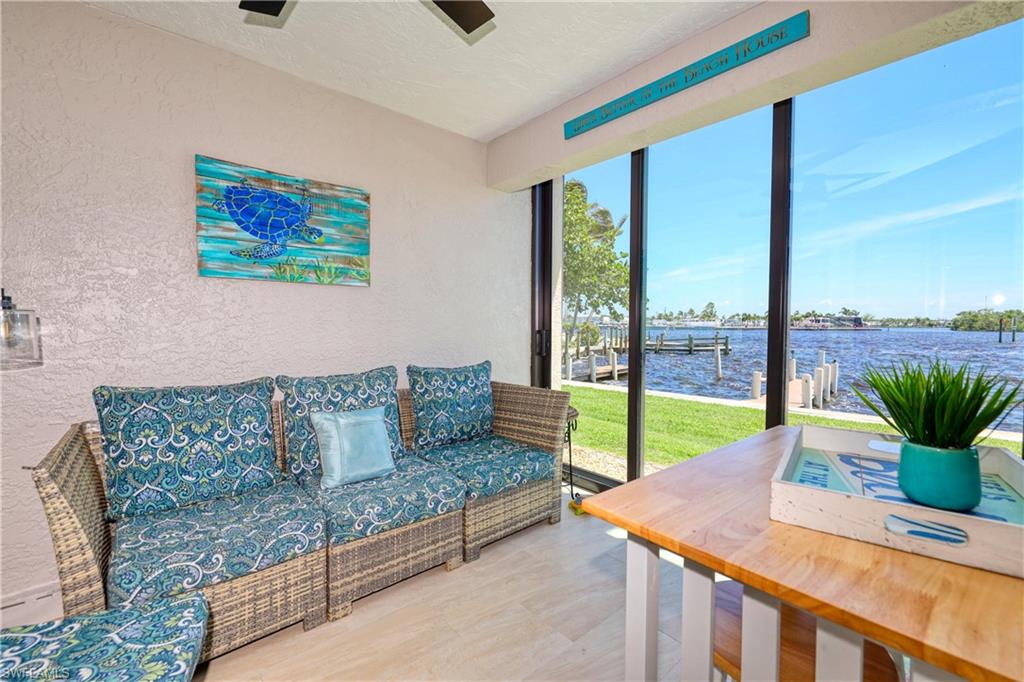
(336, 393)
(354, 445)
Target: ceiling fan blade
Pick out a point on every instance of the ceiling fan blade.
(269, 7)
(469, 15)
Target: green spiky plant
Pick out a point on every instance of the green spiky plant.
(939, 407)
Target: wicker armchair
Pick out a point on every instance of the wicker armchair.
(534, 416)
(241, 610)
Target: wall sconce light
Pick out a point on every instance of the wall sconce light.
(20, 345)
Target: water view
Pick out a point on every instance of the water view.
(853, 350)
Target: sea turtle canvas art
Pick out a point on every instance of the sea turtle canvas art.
(258, 224)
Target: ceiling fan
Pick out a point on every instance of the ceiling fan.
(469, 15)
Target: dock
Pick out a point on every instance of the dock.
(692, 344)
(613, 370)
(618, 341)
(605, 373)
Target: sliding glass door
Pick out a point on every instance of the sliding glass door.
(594, 306)
(708, 210)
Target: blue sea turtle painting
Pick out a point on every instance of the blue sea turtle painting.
(253, 223)
(270, 216)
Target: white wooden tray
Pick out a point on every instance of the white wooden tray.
(845, 483)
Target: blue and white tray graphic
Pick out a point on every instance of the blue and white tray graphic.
(846, 483)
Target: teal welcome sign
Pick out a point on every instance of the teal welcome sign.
(772, 38)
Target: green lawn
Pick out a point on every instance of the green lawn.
(676, 430)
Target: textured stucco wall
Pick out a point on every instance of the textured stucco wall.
(101, 118)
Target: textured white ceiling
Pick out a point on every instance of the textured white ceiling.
(399, 54)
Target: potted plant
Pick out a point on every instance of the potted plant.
(940, 412)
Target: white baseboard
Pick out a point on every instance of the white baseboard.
(33, 605)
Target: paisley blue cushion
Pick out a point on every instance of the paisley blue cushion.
(451, 404)
(337, 393)
(166, 448)
(159, 641)
(416, 490)
(210, 542)
(492, 464)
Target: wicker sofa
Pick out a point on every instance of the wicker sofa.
(320, 584)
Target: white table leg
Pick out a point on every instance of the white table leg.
(698, 631)
(926, 672)
(839, 655)
(760, 641)
(641, 609)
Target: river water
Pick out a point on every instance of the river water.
(854, 350)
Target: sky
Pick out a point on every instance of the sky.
(908, 193)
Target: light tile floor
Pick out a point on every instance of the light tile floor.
(543, 604)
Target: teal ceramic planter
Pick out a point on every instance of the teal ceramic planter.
(936, 477)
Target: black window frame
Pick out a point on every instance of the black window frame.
(780, 241)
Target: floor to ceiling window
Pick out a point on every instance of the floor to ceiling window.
(595, 298)
(905, 242)
(908, 221)
(708, 202)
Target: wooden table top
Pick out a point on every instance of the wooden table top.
(714, 509)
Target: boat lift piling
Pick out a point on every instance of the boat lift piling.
(816, 388)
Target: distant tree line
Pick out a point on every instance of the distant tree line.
(707, 314)
(909, 322)
(985, 320)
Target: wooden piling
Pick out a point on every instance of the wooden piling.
(792, 367)
(689, 343)
(805, 390)
(1002, 323)
(819, 376)
(613, 360)
(718, 362)
(826, 383)
(835, 376)
(821, 358)
(755, 385)
(593, 368)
